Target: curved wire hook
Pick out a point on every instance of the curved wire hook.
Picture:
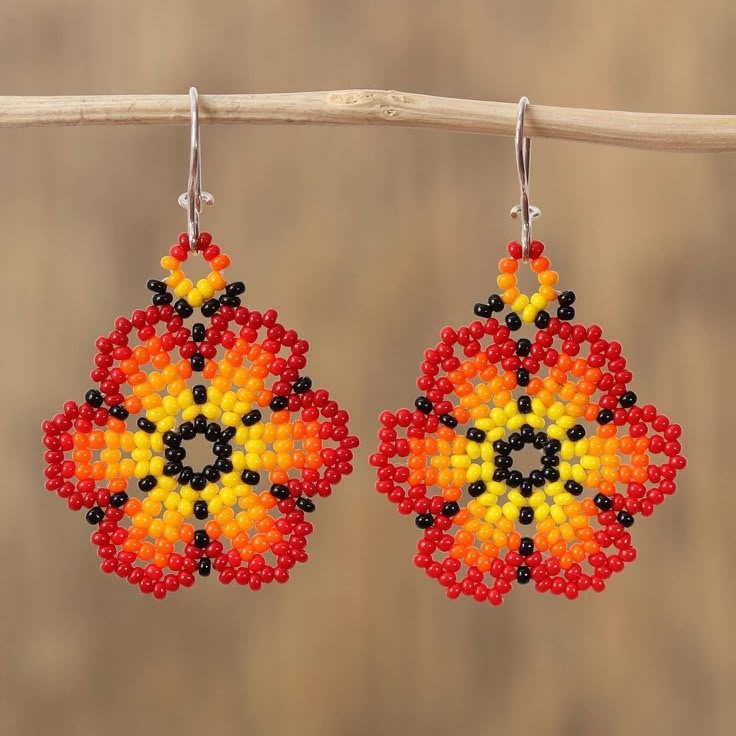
(523, 147)
(194, 198)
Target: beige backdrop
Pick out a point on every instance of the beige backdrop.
(368, 241)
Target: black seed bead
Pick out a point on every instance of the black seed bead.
(551, 474)
(222, 449)
(95, 515)
(526, 515)
(523, 347)
(302, 385)
(183, 308)
(211, 473)
(160, 299)
(212, 433)
(119, 412)
(605, 416)
(423, 521)
(513, 321)
(229, 301)
(628, 399)
(448, 420)
(515, 479)
(565, 313)
(94, 398)
(197, 362)
(155, 285)
(516, 442)
(542, 319)
(527, 433)
(540, 441)
(526, 488)
(278, 403)
(625, 518)
(503, 461)
(478, 488)
(552, 447)
(186, 476)
(550, 461)
(205, 566)
(173, 468)
(200, 510)
(210, 307)
(537, 478)
(118, 499)
(171, 439)
(235, 288)
(198, 482)
(604, 503)
(483, 310)
(199, 393)
(501, 448)
(566, 298)
(175, 453)
(187, 431)
(146, 425)
(576, 433)
(573, 487)
(250, 477)
(148, 483)
(495, 303)
(500, 475)
(223, 465)
(252, 417)
(305, 504)
(200, 424)
(476, 435)
(523, 574)
(526, 547)
(280, 491)
(524, 404)
(522, 377)
(450, 508)
(227, 434)
(423, 404)
(198, 331)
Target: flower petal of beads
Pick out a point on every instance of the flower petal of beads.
(457, 461)
(233, 379)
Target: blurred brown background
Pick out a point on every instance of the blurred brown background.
(368, 241)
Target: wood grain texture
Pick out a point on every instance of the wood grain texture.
(653, 131)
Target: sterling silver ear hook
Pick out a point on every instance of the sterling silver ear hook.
(523, 154)
(194, 198)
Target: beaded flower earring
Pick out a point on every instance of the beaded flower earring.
(603, 458)
(231, 379)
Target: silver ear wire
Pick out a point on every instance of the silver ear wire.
(194, 198)
(523, 155)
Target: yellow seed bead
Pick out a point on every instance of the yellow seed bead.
(516, 422)
(216, 504)
(567, 451)
(228, 400)
(581, 447)
(590, 462)
(473, 473)
(167, 483)
(541, 512)
(210, 411)
(473, 450)
(529, 314)
(578, 474)
(195, 298)
(209, 492)
(157, 414)
(170, 404)
(494, 514)
(495, 434)
(227, 496)
(556, 411)
(486, 473)
(157, 465)
(517, 499)
(520, 302)
(141, 469)
(539, 301)
(511, 409)
(510, 511)
(183, 287)
(537, 499)
(241, 407)
(230, 479)
(555, 432)
(253, 461)
(538, 407)
(565, 471)
(166, 424)
(557, 514)
(566, 422)
(563, 499)
(498, 416)
(186, 508)
(190, 413)
(189, 494)
(171, 501)
(230, 419)
(535, 421)
(139, 455)
(185, 399)
(157, 494)
(485, 424)
(205, 288)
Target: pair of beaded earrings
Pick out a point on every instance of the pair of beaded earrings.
(196, 363)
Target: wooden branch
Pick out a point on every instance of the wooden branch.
(663, 132)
